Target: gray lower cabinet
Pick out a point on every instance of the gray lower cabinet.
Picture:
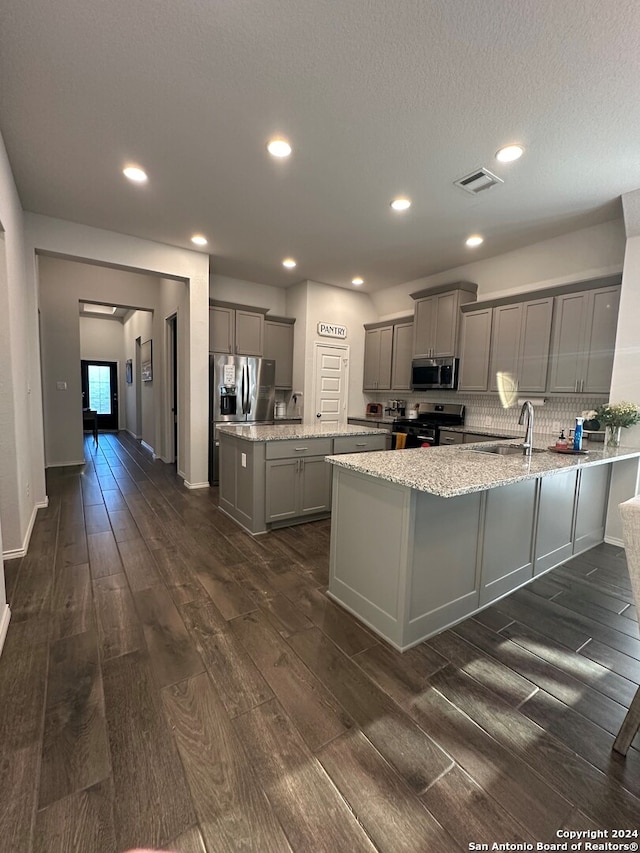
(507, 543)
(593, 491)
(297, 487)
(449, 437)
(554, 535)
(410, 564)
(267, 484)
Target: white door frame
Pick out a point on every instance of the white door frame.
(344, 348)
(168, 415)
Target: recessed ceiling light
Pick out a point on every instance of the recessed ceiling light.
(199, 240)
(279, 148)
(401, 203)
(138, 176)
(289, 263)
(474, 240)
(357, 281)
(509, 153)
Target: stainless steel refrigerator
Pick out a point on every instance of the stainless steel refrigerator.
(242, 390)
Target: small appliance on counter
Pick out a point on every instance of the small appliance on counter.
(280, 410)
(374, 410)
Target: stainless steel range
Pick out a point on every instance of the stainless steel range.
(424, 431)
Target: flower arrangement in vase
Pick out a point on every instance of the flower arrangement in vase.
(616, 417)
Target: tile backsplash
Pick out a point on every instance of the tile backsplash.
(486, 410)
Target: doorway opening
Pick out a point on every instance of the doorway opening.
(100, 391)
(172, 384)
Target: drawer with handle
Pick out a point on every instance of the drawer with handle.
(290, 448)
(359, 443)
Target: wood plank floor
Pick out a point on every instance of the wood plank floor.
(169, 681)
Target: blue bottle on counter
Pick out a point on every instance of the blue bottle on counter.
(577, 434)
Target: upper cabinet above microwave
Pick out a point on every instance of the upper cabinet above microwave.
(437, 318)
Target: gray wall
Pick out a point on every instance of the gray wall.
(62, 285)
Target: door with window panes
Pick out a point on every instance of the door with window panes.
(100, 391)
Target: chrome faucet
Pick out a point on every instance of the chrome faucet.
(527, 408)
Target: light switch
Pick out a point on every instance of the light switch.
(61, 386)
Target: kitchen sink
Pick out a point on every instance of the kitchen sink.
(504, 449)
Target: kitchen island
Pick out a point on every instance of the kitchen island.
(423, 538)
(276, 475)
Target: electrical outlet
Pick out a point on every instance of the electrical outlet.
(488, 421)
(556, 426)
(28, 489)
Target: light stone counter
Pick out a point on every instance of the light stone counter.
(282, 432)
(460, 470)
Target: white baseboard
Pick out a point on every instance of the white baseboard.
(132, 434)
(4, 625)
(610, 540)
(14, 553)
(149, 448)
(43, 504)
(82, 461)
(196, 485)
(181, 473)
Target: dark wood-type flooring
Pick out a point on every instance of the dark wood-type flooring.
(169, 681)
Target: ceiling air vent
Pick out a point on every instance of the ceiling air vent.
(476, 182)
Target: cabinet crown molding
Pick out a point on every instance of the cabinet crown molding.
(469, 286)
(216, 303)
(543, 293)
(381, 324)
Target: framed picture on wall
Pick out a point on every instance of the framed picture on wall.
(146, 363)
(129, 371)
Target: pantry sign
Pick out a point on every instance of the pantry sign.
(332, 330)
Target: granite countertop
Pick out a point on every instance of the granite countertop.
(279, 432)
(376, 419)
(456, 470)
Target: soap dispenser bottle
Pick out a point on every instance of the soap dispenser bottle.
(577, 434)
(561, 441)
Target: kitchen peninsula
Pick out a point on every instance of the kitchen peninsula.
(276, 475)
(423, 538)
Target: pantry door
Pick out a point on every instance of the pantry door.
(331, 381)
(100, 391)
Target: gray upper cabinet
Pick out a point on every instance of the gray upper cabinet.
(474, 350)
(437, 321)
(401, 358)
(278, 345)
(584, 336)
(236, 330)
(378, 348)
(222, 336)
(520, 345)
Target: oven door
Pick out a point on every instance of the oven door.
(418, 436)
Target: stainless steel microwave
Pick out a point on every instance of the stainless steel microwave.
(434, 373)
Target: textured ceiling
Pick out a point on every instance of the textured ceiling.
(378, 97)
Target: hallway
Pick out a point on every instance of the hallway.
(170, 681)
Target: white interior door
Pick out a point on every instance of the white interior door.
(331, 383)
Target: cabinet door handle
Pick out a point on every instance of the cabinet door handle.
(361, 443)
(298, 449)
